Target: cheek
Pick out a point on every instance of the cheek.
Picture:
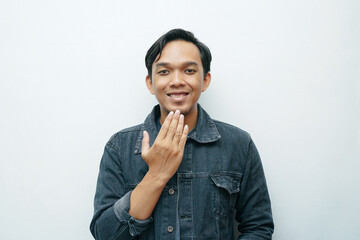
(160, 84)
(199, 86)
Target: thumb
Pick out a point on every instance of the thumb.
(145, 146)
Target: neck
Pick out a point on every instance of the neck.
(191, 119)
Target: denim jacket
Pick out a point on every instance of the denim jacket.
(220, 177)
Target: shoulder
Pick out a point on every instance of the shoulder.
(126, 136)
(228, 129)
(233, 136)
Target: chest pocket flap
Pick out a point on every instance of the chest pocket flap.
(230, 183)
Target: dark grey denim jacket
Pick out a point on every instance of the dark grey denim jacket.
(220, 175)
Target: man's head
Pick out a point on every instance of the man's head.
(178, 66)
(154, 52)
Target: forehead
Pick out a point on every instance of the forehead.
(179, 51)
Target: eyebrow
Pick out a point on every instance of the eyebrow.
(188, 63)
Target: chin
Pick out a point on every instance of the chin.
(185, 110)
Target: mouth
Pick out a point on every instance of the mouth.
(177, 95)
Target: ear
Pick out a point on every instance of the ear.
(149, 84)
(206, 82)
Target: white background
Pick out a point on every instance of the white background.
(72, 73)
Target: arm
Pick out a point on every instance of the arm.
(114, 218)
(253, 205)
(111, 219)
(163, 159)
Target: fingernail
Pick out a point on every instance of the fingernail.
(181, 117)
(177, 112)
(171, 113)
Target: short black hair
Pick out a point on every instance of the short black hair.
(172, 35)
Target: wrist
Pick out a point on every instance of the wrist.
(158, 180)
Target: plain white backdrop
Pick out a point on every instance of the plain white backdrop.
(72, 73)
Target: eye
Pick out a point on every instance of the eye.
(191, 71)
(163, 72)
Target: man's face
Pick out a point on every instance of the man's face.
(178, 78)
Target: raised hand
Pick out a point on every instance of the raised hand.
(165, 155)
(163, 158)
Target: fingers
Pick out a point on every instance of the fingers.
(145, 146)
(184, 136)
(179, 129)
(165, 126)
(172, 128)
(173, 125)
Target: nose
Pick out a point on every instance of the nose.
(177, 79)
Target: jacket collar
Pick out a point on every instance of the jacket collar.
(205, 130)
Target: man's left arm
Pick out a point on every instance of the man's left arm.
(253, 208)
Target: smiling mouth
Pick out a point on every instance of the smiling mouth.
(177, 95)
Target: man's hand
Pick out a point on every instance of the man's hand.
(163, 158)
(165, 155)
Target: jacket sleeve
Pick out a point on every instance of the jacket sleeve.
(253, 212)
(111, 220)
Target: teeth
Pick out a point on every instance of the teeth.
(177, 95)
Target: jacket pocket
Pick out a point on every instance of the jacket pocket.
(224, 196)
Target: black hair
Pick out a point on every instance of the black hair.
(177, 34)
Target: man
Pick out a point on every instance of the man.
(180, 174)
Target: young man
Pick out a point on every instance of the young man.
(180, 174)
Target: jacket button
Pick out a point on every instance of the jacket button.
(171, 191)
(170, 229)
